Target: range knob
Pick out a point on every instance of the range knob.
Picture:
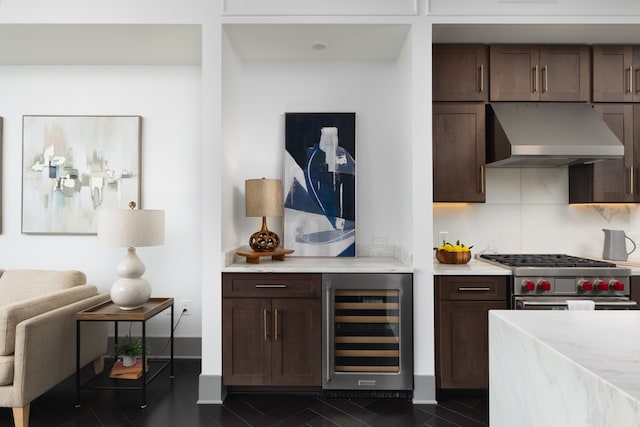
(616, 285)
(602, 286)
(544, 285)
(585, 285)
(528, 285)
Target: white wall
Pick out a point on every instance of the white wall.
(168, 99)
(259, 93)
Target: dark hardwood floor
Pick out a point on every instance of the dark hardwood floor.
(173, 403)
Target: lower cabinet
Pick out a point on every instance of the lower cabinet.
(635, 290)
(271, 329)
(462, 328)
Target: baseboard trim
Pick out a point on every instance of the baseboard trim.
(210, 390)
(424, 389)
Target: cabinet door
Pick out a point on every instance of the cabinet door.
(297, 338)
(610, 181)
(460, 73)
(565, 73)
(635, 290)
(463, 344)
(458, 152)
(246, 341)
(514, 73)
(613, 74)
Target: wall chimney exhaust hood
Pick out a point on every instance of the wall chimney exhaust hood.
(540, 134)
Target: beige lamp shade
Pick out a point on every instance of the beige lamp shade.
(263, 197)
(130, 228)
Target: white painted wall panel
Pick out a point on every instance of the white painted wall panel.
(168, 99)
(325, 7)
(534, 8)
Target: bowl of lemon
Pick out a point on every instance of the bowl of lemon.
(453, 254)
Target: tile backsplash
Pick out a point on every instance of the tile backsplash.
(527, 210)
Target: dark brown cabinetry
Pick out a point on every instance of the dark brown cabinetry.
(458, 152)
(460, 73)
(271, 329)
(616, 73)
(539, 73)
(611, 181)
(635, 290)
(462, 328)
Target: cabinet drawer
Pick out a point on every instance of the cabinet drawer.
(279, 285)
(471, 288)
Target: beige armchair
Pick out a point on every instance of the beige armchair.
(38, 334)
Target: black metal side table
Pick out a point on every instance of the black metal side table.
(109, 312)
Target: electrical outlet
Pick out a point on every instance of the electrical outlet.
(380, 240)
(181, 307)
(185, 307)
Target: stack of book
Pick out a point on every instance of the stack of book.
(122, 372)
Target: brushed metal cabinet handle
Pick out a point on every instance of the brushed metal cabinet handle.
(482, 179)
(264, 323)
(474, 289)
(630, 79)
(481, 78)
(631, 186)
(275, 327)
(535, 79)
(271, 286)
(545, 80)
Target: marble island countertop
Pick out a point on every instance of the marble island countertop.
(564, 368)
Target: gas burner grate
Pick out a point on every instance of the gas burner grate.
(544, 260)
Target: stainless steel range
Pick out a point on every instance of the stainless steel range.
(548, 281)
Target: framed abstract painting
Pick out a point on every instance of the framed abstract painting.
(320, 184)
(73, 166)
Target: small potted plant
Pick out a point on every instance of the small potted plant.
(130, 349)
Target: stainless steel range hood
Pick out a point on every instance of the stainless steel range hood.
(540, 134)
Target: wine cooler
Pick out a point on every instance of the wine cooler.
(367, 331)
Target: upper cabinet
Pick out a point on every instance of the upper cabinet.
(460, 73)
(611, 181)
(458, 152)
(539, 73)
(616, 73)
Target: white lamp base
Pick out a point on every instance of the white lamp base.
(131, 291)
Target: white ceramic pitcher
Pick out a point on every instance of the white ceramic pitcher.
(615, 246)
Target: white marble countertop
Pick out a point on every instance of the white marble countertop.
(604, 342)
(293, 264)
(474, 267)
(564, 368)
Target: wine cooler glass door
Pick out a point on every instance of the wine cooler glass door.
(368, 340)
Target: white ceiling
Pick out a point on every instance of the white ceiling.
(100, 44)
(155, 44)
(295, 41)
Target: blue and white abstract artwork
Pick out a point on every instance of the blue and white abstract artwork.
(320, 184)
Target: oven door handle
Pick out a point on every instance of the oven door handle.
(599, 304)
(629, 304)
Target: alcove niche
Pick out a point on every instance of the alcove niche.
(272, 69)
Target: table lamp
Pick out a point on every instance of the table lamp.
(130, 228)
(263, 198)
